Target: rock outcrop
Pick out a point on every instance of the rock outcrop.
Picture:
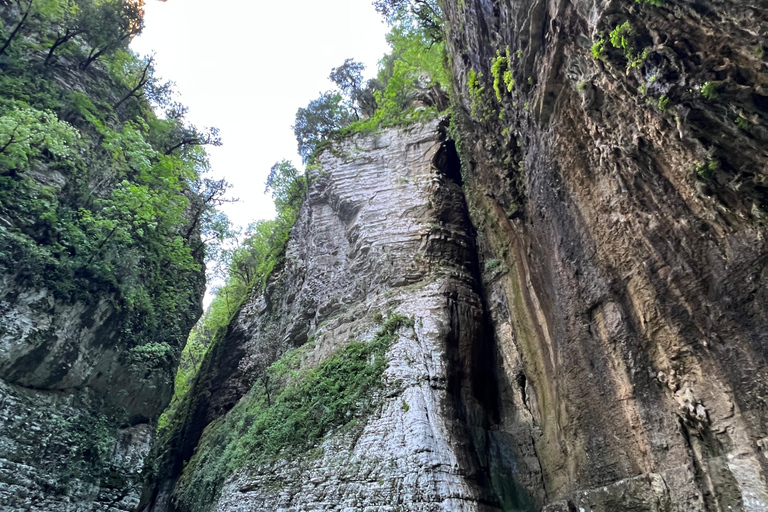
(616, 173)
(78, 402)
(384, 231)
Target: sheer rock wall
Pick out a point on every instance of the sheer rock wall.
(384, 229)
(620, 203)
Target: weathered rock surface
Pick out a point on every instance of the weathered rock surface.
(80, 389)
(77, 405)
(621, 206)
(384, 230)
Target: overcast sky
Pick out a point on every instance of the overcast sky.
(246, 66)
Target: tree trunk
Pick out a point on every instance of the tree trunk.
(17, 29)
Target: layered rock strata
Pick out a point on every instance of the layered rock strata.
(616, 173)
(383, 231)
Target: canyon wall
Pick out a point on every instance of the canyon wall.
(553, 299)
(615, 163)
(382, 250)
(101, 261)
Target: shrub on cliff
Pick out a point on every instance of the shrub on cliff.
(410, 84)
(99, 196)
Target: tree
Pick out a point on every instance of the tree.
(28, 9)
(423, 15)
(349, 79)
(287, 186)
(142, 72)
(189, 136)
(109, 25)
(318, 120)
(70, 24)
(25, 133)
(205, 218)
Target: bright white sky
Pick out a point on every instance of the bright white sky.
(247, 66)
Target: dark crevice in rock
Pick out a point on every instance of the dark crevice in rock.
(447, 161)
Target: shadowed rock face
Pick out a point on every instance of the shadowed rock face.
(76, 408)
(620, 207)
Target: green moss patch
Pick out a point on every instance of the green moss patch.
(288, 412)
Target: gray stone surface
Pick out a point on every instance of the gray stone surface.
(384, 229)
(57, 455)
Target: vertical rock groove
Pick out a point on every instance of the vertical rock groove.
(619, 203)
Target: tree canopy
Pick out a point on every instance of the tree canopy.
(411, 81)
(100, 196)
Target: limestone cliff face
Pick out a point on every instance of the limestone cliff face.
(383, 231)
(77, 405)
(83, 374)
(619, 191)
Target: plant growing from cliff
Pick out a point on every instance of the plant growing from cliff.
(25, 133)
(243, 268)
(358, 96)
(410, 85)
(109, 26)
(100, 196)
(706, 170)
(663, 102)
(619, 36)
(424, 15)
(502, 73)
(304, 405)
(478, 102)
(598, 49)
(711, 90)
(318, 120)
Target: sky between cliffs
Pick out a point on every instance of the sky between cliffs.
(247, 66)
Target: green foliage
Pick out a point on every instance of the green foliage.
(289, 413)
(663, 102)
(359, 98)
(619, 36)
(152, 355)
(478, 102)
(636, 60)
(245, 267)
(502, 72)
(623, 38)
(26, 133)
(287, 186)
(706, 170)
(100, 201)
(711, 90)
(315, 122)
(598, 49)
(413, 73)
(491, 264)
(422, 15)
(742, 122)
